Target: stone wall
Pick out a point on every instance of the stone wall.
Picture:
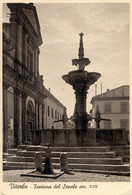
(82, 137)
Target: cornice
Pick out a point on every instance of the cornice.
(109, 98)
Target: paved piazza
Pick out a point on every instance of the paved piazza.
(14, 176)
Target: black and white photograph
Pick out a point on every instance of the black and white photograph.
(66, 96)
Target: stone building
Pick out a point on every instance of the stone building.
(114, 105)
(55, 112)
(23, 90)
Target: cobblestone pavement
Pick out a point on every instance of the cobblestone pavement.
(14, 176)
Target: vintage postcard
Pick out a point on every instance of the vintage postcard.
(66, 97)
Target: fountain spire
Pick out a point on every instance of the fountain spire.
(81, 49)
(82, 62)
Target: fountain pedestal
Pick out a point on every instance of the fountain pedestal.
(81, 81)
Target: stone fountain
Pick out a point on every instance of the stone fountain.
(81, 135)
(81, 80)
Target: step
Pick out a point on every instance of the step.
(87, 154)
(5, 155)
(26, 165)
(12, 151)
(35, 148)
(114, 161)
(104, 172)
(126, 159)
(120, 148)
(19, 164)
(69, 149)
(20, 159)
(119, 168)
(101, 159)
(106, 161)
(111, 154)
(6, 167)
(77, 170)
(21, 147)
(123, 153)
(80, 149)
(26, 153)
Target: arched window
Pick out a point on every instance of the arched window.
(30, 107)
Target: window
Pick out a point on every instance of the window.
(124, 107)
(55, 114)
(29, 61)
(124, 123)
(48, 111)
(52, 113)
(107, 108)
(107, 124)
(58, 115)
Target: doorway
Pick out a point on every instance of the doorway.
(30, 121)
(29, 128)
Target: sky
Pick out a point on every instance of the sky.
(106, 43)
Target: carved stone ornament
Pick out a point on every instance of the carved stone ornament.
(8, 44)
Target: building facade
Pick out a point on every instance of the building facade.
(113, 105)
(23, 90)
(55, 112)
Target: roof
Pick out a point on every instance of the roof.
(120, 92)
(53, 98)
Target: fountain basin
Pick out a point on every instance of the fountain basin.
(82, 77)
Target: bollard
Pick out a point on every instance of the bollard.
(48, 169)
(38, 161)
(64, 162)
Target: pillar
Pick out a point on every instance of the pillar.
(20, 120)
(17, 117)
(38, 52)
(18, 50)
(48, 169)
(40, 116)
(5, 117)
(24, 59)
(36, 114)
(24, 118)
(64, 162)
(43, 116)
(38, 161)
(36, 62)
(33, 62)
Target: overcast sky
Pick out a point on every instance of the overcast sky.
(106, 44)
